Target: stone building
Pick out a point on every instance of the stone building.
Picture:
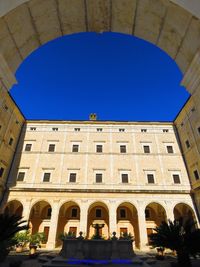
(130, 176)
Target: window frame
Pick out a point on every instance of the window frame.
(124, 175)
(150, 175)
(29, 146)
(98, 210)
(45, 174)
(174, 176)
(52, 146)
(96, 176)
(123, 149)
(73, 148)
(72, 175)
(196, 174)
(168, 150)
(23, 173)
(97, 147)
(146, 151)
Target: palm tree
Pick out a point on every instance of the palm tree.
(9, 226)
(180, 236)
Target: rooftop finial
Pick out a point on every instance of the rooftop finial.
(93, 117)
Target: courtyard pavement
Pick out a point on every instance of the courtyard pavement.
(42, 255)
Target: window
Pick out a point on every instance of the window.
(17, 122)
(165, 130)
(28, 147)
(124, 178)
(121, 130)
(72, 178)
(147, 213)
(170, 149)
(49, 210)
(54, 129)
(21, 176)
(198, 130)
(99, 148)
(6, 107)
(98, 213)
(75, 148)
(99, 177)
(196, 175)
(146, 149)
(52, 148)
(122, 149)
(99, 129)
(33, 128)
(77, 129)
(143, 130)
(150, 179)
(176, 179)
(193, 109)
(1, 171)
(187, 143)
(11, 141)
(46, 177)
(74, 212)
(122, 213)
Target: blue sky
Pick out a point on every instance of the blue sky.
(117, 76)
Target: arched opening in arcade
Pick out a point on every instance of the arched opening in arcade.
(127, 221)
(14, 207)
(98, 213)
(40, 217)
(154, 215)
(68, 220)
(185, 212)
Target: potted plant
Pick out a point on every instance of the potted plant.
(21, 238)
(35, 241)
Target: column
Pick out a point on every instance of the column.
(112, 217)
(170, 211)
(26, 210)
(84, 217)
(142, 228)
(53, 225)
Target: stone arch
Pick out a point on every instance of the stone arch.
(185, 211)
(127, 221)
(14, 207)
(98, 212)
(155, 213)
(68, 220)
(27, 26)
(40, 216)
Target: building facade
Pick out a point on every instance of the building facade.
(67, 175)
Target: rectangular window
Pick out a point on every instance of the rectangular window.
(147, 213)
(150, 179)
(49, 211)
(99, 129)
(20, 176)
(55, 129)
(98, 177)
(121, 130)
(75, 148)
(74, 213)
(98, 213)
(72, 178)
(52, 147)
(146, 149)
(187, 143)
(99, 148)
(6, 107)
(176, 179)
(77, 129)
(198, 130)
(122, 213)
(28, 147)
(11, 141)
(170, 149)
(33, 128)
(124, 178)
(122, 149)
(1, 171)
(46, 177)
(196, 175)
(165, 130)
(143, 130)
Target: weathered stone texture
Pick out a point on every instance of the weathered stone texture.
(175, 26)
(98, 14)
(123, 14)
(45, 17)
(72, 16)
(149, 19)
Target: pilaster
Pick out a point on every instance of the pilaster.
(142, 227)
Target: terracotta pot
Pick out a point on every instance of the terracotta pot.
(19, 249)
(32, 249)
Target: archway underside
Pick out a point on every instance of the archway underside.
(162, 23)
